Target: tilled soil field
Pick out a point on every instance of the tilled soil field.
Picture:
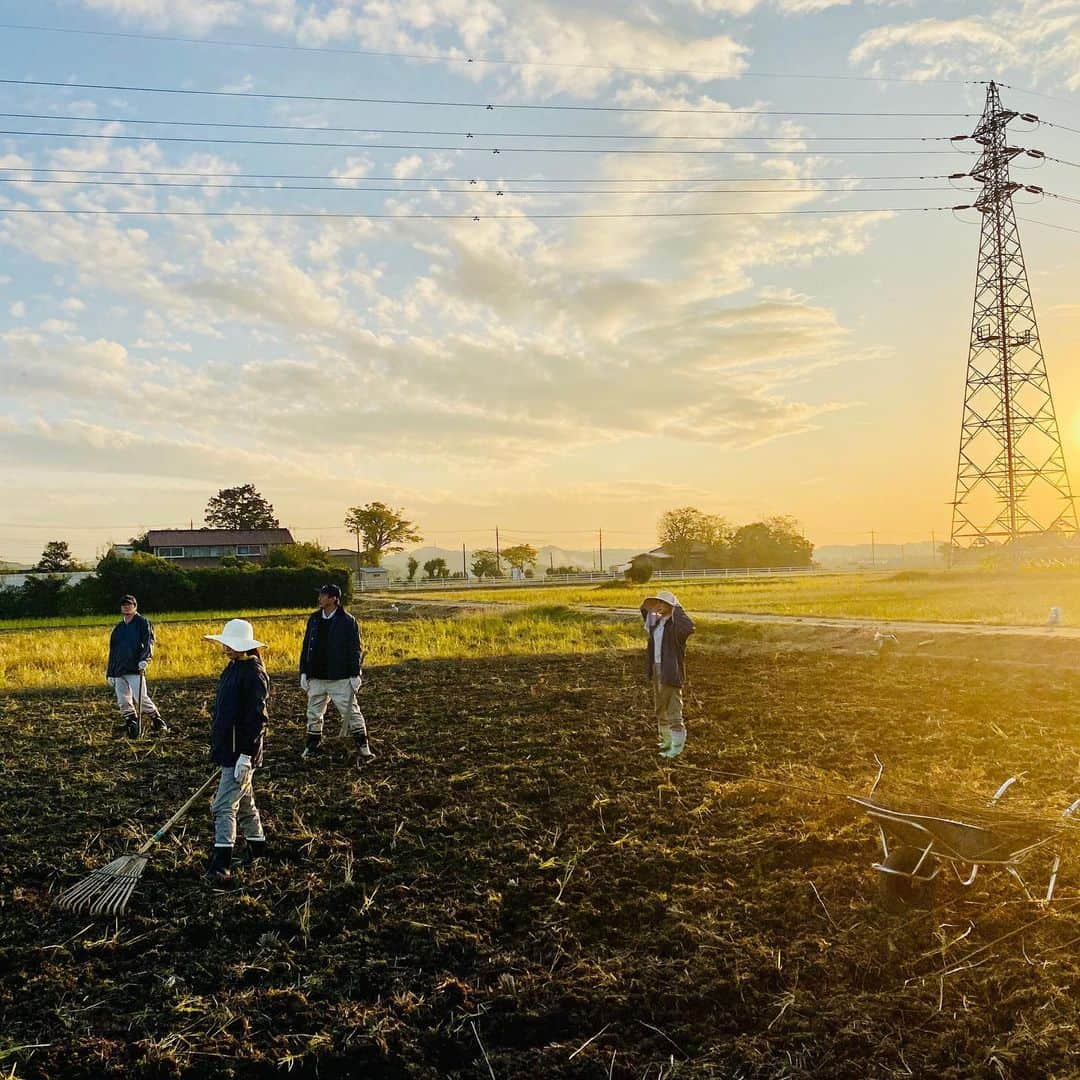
(516, 888)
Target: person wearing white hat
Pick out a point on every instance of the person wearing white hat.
(237, 733)
(668, 627)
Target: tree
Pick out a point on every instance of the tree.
(141, 543)
(57, 557)
(561, 571)
(436, 568)
(413, 565)
(306, 553)
(240, 508)
(485, 563)
(776, 541)
(679, 531)
(520, 556)
(383, 529)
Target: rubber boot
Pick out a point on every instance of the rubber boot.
(363, 748)
(254, 849)
(663, 732)
(313, 747)
(157, 725)
(678, 743)
(131, 726)
(218, 872)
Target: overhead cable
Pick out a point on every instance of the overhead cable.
(489, 106)
(202, 140)
(499, 190)
(364, 215)
(447, 58)
(478, 134)
(480, 179)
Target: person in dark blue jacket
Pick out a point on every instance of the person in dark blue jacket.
(236, 735)
(131, 647)
(330, 659)
(668, 627)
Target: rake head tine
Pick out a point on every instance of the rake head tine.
(114, 899)
(83, 892)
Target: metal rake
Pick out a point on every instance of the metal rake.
(107, 890)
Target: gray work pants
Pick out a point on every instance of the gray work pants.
(127, 689)
(320, 693)
(235, 803)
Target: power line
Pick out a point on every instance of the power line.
(479, 180)
(202, 140)
(504, 61)
(477, 134)
(500, 191)
(487, 106)
(354, 214)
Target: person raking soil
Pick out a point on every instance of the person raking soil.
(237, 734)
(668, 627)
(131, 648)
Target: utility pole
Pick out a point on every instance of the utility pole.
(601, 551)
(1011, 479)
(464, 564)
(498, 561)
(873, 549)
(933, 549)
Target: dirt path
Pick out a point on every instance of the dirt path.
(762, 618)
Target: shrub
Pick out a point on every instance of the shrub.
(639, 573)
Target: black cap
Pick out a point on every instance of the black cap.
(127, 598)
(331, 590)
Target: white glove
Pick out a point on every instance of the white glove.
(243, 768)
(303, 682)
(354, 682)
(142, 665)
(108, 680)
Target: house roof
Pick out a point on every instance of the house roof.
(200, 537)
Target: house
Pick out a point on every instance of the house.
(372, 577)
(696, 557)
(206, 547)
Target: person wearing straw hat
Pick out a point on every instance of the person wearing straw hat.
(330, 659)
(131, 647)
(237, 734)
(668, 627)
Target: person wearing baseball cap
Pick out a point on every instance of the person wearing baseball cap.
(668, 627)
(330, 660)
(131, 648)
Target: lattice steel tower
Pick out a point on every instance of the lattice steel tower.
(1011, 480)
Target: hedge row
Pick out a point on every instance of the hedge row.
(161, 586)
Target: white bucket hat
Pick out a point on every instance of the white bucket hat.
(238, 635)
(667, 597)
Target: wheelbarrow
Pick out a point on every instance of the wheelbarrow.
(917, 846)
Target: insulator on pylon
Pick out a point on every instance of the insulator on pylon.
(1034, 189)
(959, 138)
(1035, 153)
(959, 175)
(1030, 117)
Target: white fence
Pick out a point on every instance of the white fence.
(71, 577)
(594, 576)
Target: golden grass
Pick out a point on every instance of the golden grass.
(1020, 597)
(76, 657)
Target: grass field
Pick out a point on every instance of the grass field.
(76, 657)
(515, 888)
(1020, 598)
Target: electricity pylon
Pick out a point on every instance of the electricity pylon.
(1011, 479)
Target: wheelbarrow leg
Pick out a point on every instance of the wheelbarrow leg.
(1016, 874)
(1053, 878)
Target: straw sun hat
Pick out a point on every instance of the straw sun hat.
(238, 635)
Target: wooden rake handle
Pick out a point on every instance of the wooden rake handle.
(178, 815)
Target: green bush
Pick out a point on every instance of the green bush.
(639, 573)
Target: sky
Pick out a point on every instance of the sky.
(552, 360)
